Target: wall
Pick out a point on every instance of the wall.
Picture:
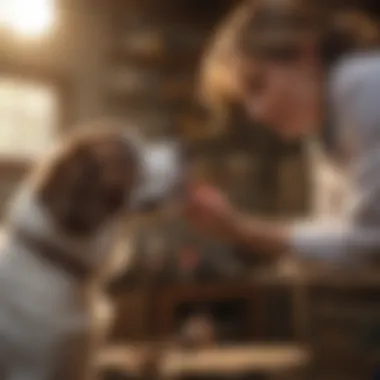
(74, 53)
(74, 57)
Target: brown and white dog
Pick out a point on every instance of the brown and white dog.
(61, 231)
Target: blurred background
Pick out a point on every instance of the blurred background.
(63, 62)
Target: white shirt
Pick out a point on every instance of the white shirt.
(355, 100)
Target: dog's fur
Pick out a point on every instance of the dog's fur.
(73, 201)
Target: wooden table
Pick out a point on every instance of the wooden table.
(229, 360)
(235, 360)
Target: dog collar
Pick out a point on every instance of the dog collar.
(55, 255)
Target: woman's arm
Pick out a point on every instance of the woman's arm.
(334, 242)
(277, 239)
(211, 212)
(271, 238)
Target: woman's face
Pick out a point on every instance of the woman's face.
(283, 96)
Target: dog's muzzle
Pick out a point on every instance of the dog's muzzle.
(162, 173)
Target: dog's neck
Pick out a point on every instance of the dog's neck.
(28, 216)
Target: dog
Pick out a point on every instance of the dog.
(61, 229)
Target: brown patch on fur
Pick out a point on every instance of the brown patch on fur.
(87, 181)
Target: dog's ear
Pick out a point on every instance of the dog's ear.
(87, 183)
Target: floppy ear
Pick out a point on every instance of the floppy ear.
(70, 189)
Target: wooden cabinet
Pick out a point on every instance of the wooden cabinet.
(131, 317)
(345, 329)
(170, 300)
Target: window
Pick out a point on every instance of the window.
(28, 117)
(27, 18)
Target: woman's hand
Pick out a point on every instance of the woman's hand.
(210, 211)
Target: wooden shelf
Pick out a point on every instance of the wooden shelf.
(143, 95)
(233, 360)
(168, 60)
(168, 298)
(148, 106)
(318, 276)
(358, 313)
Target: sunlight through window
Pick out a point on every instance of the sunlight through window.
(28, 18)
(28, 118)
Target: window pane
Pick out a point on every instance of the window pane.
(28, 118)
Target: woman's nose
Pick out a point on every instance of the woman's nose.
(257, 110)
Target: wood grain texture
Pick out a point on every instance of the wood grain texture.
(264, 358)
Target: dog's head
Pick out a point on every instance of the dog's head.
(95, 176)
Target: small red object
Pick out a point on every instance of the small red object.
(205, 191)
(189, 258)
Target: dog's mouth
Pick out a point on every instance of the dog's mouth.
(171, 201)
(163, 176)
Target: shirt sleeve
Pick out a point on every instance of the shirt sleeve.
(356, 239)
(335, 242)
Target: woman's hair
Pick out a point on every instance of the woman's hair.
(276, 30)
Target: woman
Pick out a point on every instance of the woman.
(290, 68)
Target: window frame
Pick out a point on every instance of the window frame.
(42, 76)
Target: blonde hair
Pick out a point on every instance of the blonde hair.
(276, 30)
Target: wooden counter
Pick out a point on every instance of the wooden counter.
(230, 360)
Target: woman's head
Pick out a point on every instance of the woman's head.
(271, 57)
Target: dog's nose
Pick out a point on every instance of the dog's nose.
(163, 171)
